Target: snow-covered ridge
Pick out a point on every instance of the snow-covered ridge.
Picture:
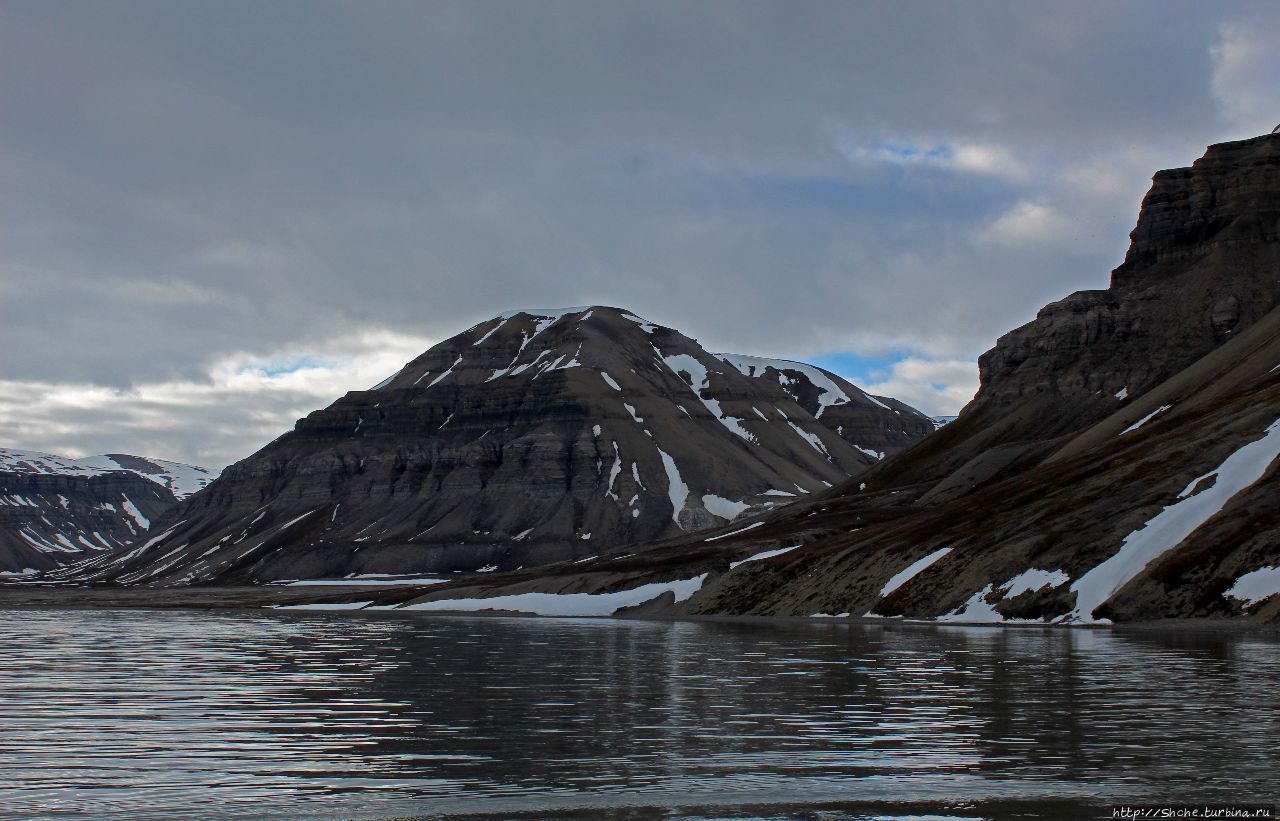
(829, 394)
(548, 313)
(556, 314)
(182, 480)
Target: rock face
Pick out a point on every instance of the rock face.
(1118, 463)
(55, 511)
(537, 436)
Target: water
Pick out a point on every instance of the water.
(208, 714)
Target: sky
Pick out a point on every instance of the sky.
(217, 217)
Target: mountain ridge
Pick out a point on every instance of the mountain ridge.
(531, 437)
(56, 510)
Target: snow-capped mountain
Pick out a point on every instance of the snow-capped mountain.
(179, 479)
(533, 437)
(55, 510)
(1120, 462)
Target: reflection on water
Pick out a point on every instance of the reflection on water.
(140, 714)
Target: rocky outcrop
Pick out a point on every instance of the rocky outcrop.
(1200, 270)
(1119, 462)
(534, 437)
(56, 511)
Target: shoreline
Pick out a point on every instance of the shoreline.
(267, 597)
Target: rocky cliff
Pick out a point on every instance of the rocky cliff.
(1119, 462)
(536, 436)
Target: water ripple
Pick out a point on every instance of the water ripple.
(150, 714)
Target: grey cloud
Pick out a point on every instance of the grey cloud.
(186, 181)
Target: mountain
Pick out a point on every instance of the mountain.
(55, 510)
(1118, 463)
(536, 436)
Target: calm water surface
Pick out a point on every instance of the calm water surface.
(207, 714)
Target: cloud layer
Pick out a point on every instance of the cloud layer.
(190, 187)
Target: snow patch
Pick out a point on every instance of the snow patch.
(544, 313)
(1144, 420)
(491, 332)
(829, 392)
(734, 532)
(522, 368)
(569, 604)
(130, 508)
(1032, 580)
(455, 364)
(724, 508)
(1172, 525)
(613, 473)
(645, 325)
(812, 439)
(348, 605)
(372, 579)
(768, 554)
(387, 381)
(1191, 486)
(676, 488)
(1256, 586)
(911, 571)
(295, 520)
(609, 381)
(684, 362)
(976, 609)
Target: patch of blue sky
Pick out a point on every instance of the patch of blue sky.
(858, 368)
(904, 151)
(283, 366)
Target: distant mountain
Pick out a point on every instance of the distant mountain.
(1119, 462)
(55, 510)
(536, 436)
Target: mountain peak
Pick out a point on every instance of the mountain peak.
(536, 436)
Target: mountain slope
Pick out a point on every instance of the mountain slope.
(1118, 463)
(536, 436)
(55, 510)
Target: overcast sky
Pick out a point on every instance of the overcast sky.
(216, 217)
